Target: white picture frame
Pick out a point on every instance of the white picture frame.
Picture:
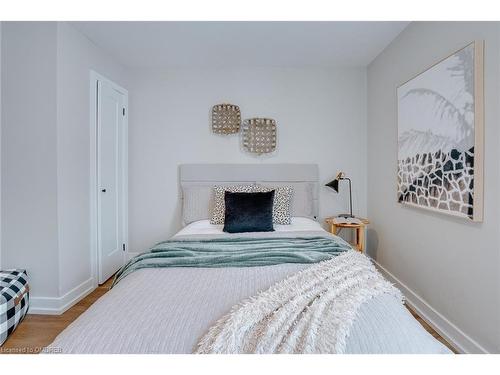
(441, 136)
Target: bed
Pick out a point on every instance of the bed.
(173, 309)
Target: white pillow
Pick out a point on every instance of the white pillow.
(197, 202)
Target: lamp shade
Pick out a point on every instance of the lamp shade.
(334, 184)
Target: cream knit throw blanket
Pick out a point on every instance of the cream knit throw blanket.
(311, 311)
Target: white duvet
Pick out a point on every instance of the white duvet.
(184, 303)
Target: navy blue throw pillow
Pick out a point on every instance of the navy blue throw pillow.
(248, 212)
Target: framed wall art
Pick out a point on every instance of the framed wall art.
(440, 136)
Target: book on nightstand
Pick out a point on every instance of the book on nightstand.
(347, 220)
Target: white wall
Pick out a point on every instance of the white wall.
(45, 148)
(29, 153)
(321, 119)
(76, 56)
(46, 157)
(0, 145)
(452, 265)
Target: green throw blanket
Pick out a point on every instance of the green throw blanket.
(235, 252)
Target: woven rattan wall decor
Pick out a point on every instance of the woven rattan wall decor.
(226, 119)
(259, 135)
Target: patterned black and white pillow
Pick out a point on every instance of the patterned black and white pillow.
(281, 207)
(219, 209)
(282, 203)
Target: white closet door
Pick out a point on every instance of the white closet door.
(110, 154)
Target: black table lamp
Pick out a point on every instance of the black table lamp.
(334, 184)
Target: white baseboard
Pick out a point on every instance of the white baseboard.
(450, 332)
(58, 305)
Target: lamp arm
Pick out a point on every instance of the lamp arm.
(350, 194)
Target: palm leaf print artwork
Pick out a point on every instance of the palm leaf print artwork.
(440, 136)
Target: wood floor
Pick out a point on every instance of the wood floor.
(38, 331)
(431, 330)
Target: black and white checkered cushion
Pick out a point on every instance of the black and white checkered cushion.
(14, 300)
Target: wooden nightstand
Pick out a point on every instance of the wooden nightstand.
(358, 224)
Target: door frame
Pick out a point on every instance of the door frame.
(94, 209)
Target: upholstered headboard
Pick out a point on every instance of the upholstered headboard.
(197, 181)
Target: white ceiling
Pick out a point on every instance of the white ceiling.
(221, 44)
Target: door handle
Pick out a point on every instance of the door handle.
(103, 190)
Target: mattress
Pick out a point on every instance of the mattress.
(133, 317)
(201, 227)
